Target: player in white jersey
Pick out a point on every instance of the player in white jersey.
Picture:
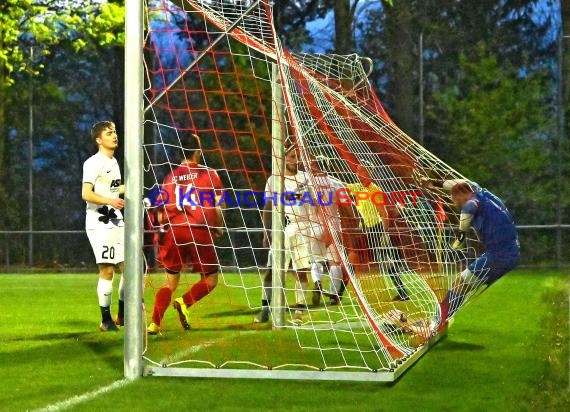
(104, 220)
(304, 233)
(326, 188)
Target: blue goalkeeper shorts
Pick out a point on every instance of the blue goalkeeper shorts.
(489, 267)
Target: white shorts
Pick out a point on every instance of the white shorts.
(107, 243)
(304, 245)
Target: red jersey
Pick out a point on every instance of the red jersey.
(191, 189)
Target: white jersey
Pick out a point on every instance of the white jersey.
(105, 176)
(326, 188)
(298, 208)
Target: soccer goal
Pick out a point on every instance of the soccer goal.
(359, 243)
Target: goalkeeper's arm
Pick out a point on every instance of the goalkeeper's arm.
(464, 224)
(445, 185)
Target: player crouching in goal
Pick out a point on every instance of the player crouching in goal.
(192, 222)
(104, 221)
(496, 229)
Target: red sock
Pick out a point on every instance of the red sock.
(196, 292)
(161, 303)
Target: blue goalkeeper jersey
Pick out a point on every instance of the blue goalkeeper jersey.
(493, 222)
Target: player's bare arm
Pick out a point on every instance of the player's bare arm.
(89, 195)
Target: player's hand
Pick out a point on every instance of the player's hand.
(117, 203)
(459, 242)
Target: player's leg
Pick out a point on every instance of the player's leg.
(263, 315)
(388, 257)
(317, 270)
(335, 275)
(162, 301)
(204, 260)
(336, 282)
(486, 269)
(170, 256)
(103, 242)
(301, 286)
(199, 290)
(104, 294)
(314, 239)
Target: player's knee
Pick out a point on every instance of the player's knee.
(106, 272)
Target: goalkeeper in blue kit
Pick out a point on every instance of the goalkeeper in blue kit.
(495, 227)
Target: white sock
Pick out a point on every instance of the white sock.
(122, 288)
(104, 292)
(316, 272)
(300, 288)
(336, 278)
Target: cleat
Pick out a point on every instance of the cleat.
(119, 321)
(108, 326)
(183, 314)
(317, 291)
(153, 329)
(262, 317)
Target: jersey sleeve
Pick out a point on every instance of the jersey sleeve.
(470, 207)
(90, 171)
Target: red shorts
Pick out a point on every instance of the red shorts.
(181, 245)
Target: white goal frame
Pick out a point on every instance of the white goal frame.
(134, 363)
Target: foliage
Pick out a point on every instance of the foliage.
(496, 121)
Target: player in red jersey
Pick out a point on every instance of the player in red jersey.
(192, 218)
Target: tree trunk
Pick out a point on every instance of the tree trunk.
(566, 57)
(344, 39)
(402, 59)
(3, 138)
(117, 76)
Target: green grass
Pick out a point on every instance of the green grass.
(507, 351)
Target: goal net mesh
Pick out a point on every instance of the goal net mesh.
(359, 219)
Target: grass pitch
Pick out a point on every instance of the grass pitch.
(507, 351)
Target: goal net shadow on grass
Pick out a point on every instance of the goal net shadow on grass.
(217, 70)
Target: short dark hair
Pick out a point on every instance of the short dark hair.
(190, 143)
(98, 128)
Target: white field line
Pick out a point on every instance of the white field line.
(75, 400)
(87, 396)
